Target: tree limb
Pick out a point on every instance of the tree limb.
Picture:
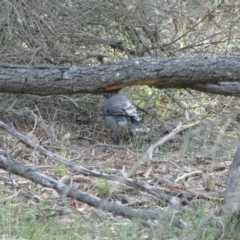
(201, 73)
(15, 167)
(153, 191)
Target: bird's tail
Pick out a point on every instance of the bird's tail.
(139, 126)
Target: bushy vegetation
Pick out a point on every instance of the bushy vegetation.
(191, 168)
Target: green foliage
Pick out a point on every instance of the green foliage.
(60, 170)
(103, 186)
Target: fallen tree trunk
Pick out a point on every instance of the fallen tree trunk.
(208, 74)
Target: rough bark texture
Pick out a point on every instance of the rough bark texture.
(158, 72)
(232, 194)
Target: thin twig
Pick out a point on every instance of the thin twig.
(124, 180)
(15, 167)
(148, 154)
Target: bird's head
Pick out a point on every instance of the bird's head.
(107, 95)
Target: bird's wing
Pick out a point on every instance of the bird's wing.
(130, 110)
(110, 110)
(120, 105)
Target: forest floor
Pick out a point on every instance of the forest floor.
(191, 168)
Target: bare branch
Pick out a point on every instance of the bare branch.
(153, 191)
(15, 167)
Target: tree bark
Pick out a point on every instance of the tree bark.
(201, 73)
(231, 199)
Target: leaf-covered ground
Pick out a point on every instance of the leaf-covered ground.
(191, 168)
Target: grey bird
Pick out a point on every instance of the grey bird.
(121, 114)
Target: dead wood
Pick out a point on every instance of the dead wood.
(231, 198)
(15, 167)
(207, 74)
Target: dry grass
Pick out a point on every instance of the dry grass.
(74, 126)
(72, 34)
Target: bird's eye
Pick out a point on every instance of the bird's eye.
(105, 95)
